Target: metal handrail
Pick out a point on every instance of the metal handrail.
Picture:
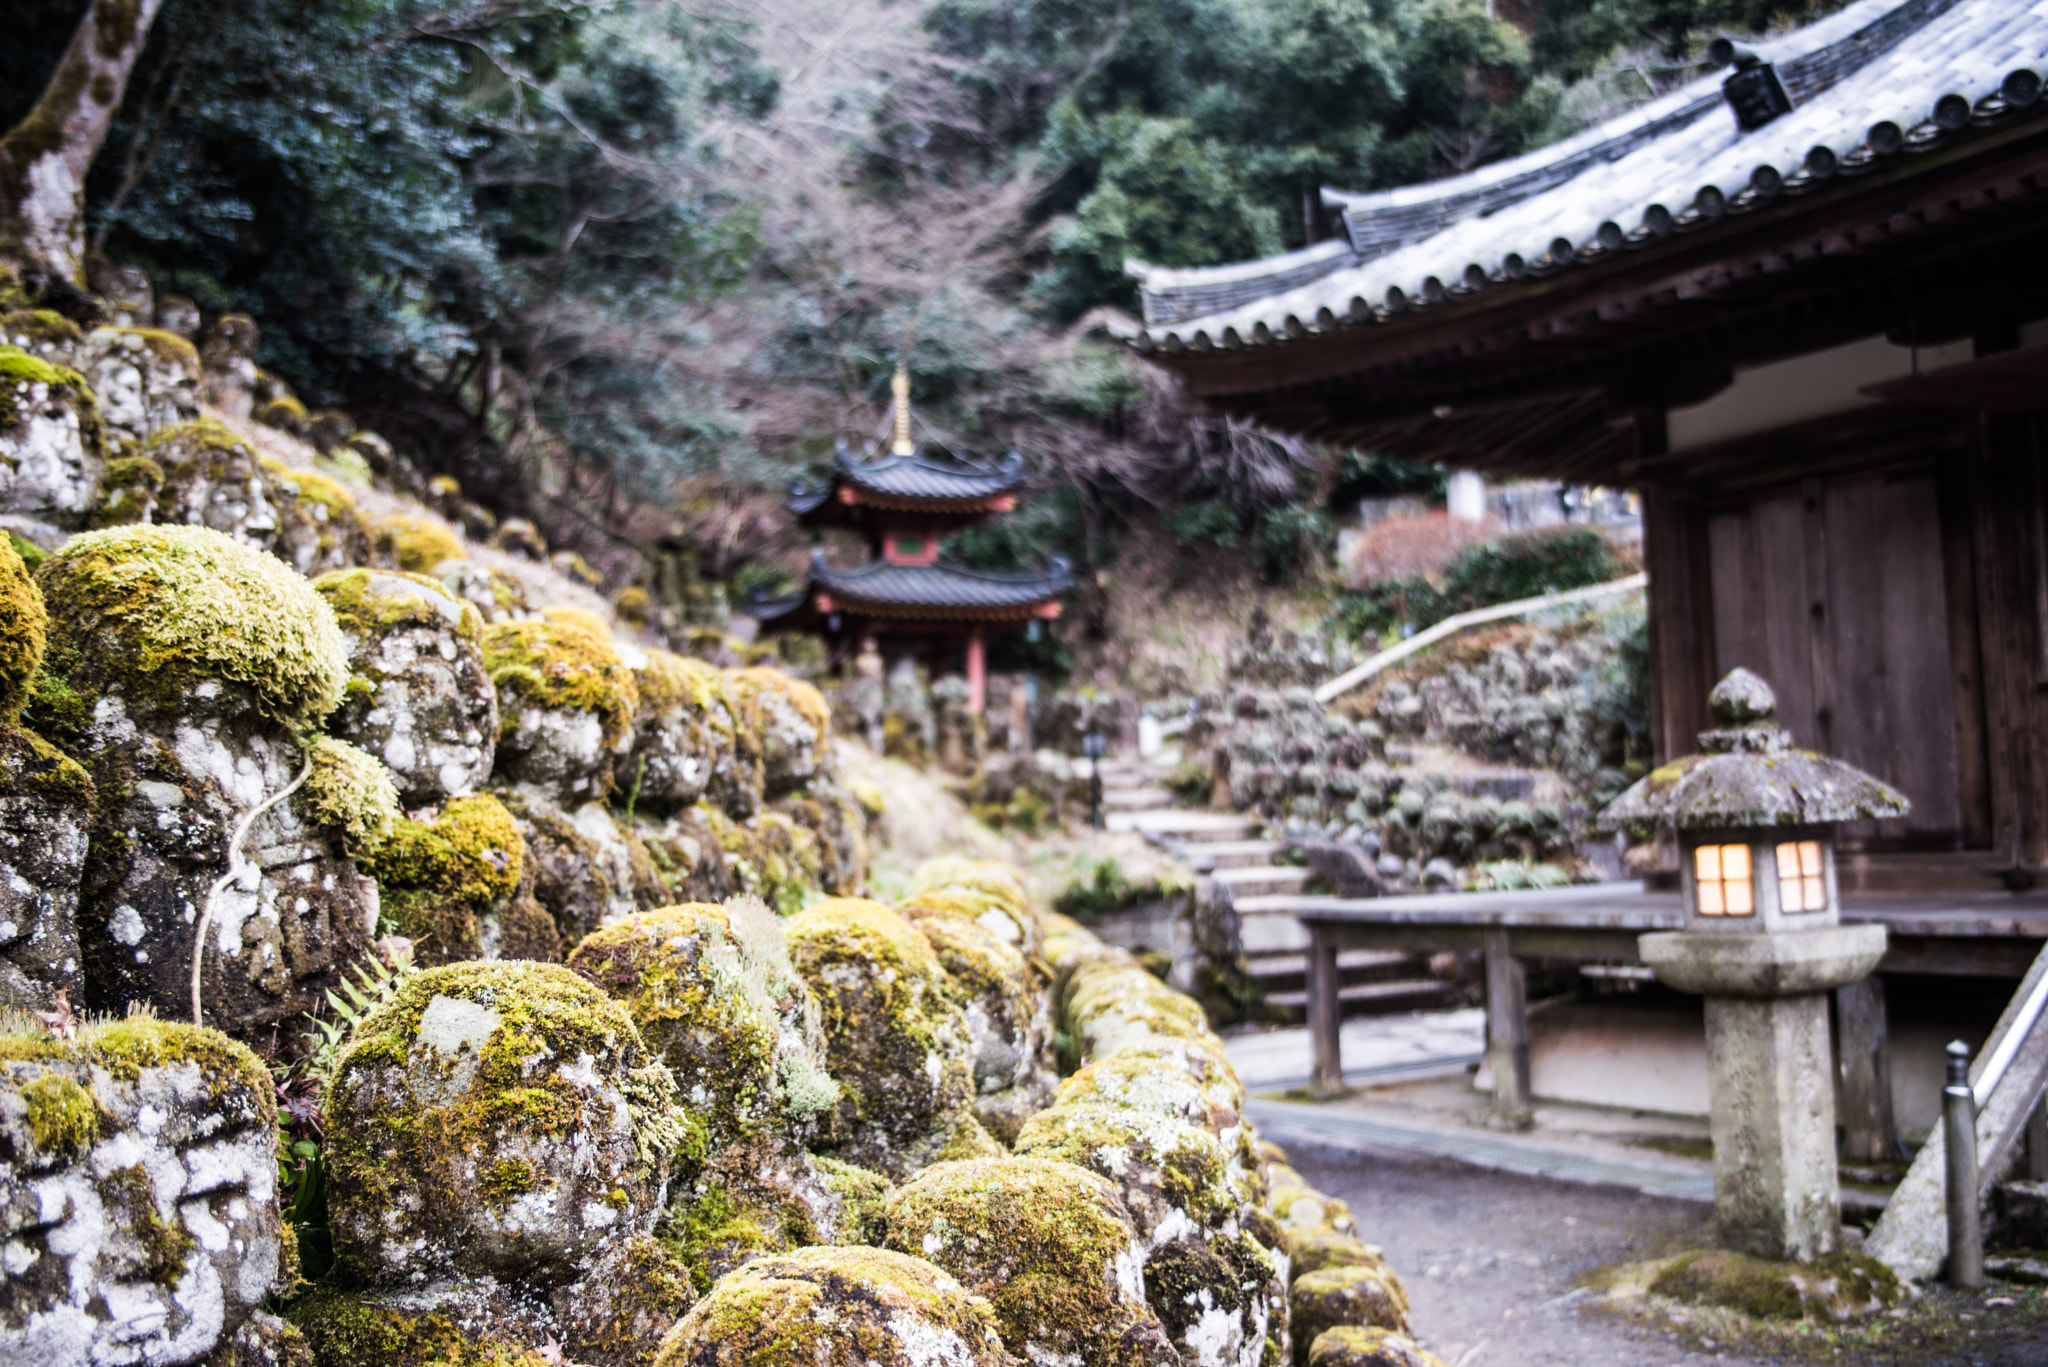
(2009, 1047)
(1357, 675)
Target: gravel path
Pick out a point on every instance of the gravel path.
(1489, 1260)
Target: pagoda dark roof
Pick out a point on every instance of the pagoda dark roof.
(1877, 81)
(936, 591)
(921, 482)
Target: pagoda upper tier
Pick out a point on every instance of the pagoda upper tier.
(931, 486)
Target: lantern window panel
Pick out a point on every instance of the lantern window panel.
(1721, 878)
(1802, 884)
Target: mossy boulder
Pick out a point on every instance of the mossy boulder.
(682, 731)
(418, 696)
(139, 1166)
(715, 996)
(458, 883)
(212, 477)
(1347, 1346)
(687, 855)
(1049, 1245)
(1185, 1079)
(180, 666)
(145, 379)
(589, 868)
(837, 1305)
(416, 544)
(1829, 1290)
(1312, 1248)
(444, 1324)
(1298, 1206)
(52, 447)
(24, 632)
(520, 537)
(986, 890)
(46, 807)
(1352, 1297)
(773, 857)
(1211, 1276)
(497, 1120)
(794, 725)
(1114, 1002)
(896, 1040)
(835, 817)
(496, 595)
(1008, 1014)
(617, 1315)
(565, 706)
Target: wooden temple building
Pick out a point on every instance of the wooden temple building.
(906, 501)
(1801, 304)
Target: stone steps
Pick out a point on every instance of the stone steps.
(1264, 880)
(1196, 828)
(1238, 854)
(1136, 799)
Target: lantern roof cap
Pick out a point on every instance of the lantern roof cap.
(1749, 774)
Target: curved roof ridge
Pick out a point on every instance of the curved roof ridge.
(1058, 570)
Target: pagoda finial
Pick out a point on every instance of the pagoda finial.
(900, 386)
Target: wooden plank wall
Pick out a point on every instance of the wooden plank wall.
(1901, 614)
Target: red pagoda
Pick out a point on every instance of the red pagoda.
(907, 501)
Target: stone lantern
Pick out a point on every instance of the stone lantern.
(1763, 943)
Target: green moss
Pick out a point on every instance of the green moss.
(578, 617)
(351, 791)
(148, 612)
(1830, 1289)
(678, 683)
(312, 487)
(1040, 1239)
(419, 544)
(508, 1180)
(437, 877)
(1350, 1346)
(42, 327)
(710, 1234)
(346, 1329)
(236, 1082)
(633, 605)
(864, 1199)
(29, 761)
(24, 628)
(808, 702)
(62, 1116)
(415, 1151)
(553, 664)
(127, 490)
(31, 554)
(18, 369)
(371, 603)
(1360, 1297)
(987, 877)
(831, 1305)
(284, 411)
(165, 1243)
(1312, 1248)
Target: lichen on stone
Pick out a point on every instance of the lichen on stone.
(149, 612)
(1349, 1346)
(836, 1305)
(474, 1068)
(562, 666)
(439, 877)
(24, 629)
(349, 791)
(1051, 1247)
(417, 544)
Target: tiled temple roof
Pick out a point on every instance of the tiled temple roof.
(1876, 82)
(936, 591)
(919, 482)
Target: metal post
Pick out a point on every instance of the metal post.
(1965, 1227)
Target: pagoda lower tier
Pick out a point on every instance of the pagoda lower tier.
(934, 599)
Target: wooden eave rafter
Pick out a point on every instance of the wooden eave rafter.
(1547, 377)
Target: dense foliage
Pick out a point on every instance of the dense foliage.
(1480, 576)
(592, 255)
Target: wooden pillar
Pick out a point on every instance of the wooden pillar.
(977, 672)
(1020, 714)
(1507, 1031)
(1864, 1073)
(1325, 1012)
(1682, 649)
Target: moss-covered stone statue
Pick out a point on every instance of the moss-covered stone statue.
(418, 696)
(52, 448)
(565, 707)
(1049, 1245)
(212, 477)
(183, 671)
(139, 1162)
(681, 733)
(837, 1305)
(896, 1040)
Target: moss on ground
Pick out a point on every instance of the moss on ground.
(149, 612)
(1839, 1286)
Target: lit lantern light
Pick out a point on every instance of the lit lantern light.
(1763, 943)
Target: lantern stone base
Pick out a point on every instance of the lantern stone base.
(1770, 1075)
